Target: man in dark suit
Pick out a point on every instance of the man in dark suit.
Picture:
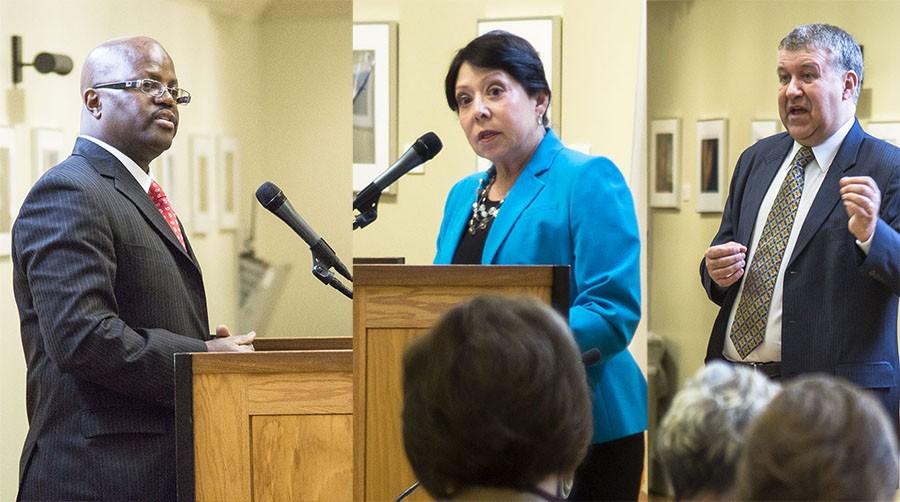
(806, 263)
(108, 289)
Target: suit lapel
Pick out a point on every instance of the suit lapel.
(829, 193)
(758, 185)
(107, 165)
(527, 186)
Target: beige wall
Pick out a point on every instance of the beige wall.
(601, 91)
(716, 59)
(278, 82)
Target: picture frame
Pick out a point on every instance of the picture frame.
(203, 183)
(227, 175)
(760, 129)
(374, 101)
(665, 163)
(7, 182)
(545, 34)
(887, 131)
(712, 150)
(46, 150)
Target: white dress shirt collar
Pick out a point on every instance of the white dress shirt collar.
(826, 151)
(144, 179)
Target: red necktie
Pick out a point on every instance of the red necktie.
(165, 209)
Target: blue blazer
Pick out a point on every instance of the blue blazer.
(840, 306)
(567, 208)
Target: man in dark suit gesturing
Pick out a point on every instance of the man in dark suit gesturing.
(108, 289)
(806, 263)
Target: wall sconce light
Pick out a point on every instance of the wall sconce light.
(45, 62)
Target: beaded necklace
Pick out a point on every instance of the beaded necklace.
(481, 214)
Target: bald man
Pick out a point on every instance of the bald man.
(108, 289)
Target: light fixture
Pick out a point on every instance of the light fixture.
(44, 62)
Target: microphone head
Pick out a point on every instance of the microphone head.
(270, 196)
(428, 146)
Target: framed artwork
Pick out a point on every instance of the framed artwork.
(202, 174)
(712, 151)
(46, 149)
(7, 154)
(760, 129)
(665, 162)
(888, 131)
(374, 100)
(545, 34)
(227, 175)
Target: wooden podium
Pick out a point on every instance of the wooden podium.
(275, 424)
(392, 304)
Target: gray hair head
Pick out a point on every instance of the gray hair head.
(845, 54)
(701, 437)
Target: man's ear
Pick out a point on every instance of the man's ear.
(92, 103)
(851, 82)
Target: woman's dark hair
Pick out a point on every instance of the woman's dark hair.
(494, 395)
(503, 51)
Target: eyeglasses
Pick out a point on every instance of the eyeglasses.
(150, 87)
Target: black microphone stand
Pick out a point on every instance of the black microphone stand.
(323, 260)
(366, 202)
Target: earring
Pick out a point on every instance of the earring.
(540, 120)
(564, 484)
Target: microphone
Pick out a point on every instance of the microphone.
(591, 357)
(423, 150)
(272, 198)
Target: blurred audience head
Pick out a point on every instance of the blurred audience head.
(495, 395)
(819, 439)
(701, 437)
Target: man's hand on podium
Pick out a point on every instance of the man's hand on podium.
(224, 342)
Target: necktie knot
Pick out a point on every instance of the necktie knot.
(803, 157)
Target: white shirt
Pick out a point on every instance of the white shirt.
(824, 153)
(143, 178)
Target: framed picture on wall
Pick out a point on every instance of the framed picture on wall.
(228, 182)
(712, 151)
(374, 100)
(545, 34)
(203, 182)
(760, 129)
(7, 154)
(665, 162)
(888, 131)
(46, 149)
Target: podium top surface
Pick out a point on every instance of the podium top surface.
(458, 275)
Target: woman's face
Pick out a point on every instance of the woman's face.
(498, 117)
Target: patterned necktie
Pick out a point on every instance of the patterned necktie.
(165, 209)
(749, 327)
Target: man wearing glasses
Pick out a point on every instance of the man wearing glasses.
(108, 289)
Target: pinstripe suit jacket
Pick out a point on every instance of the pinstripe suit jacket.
(106, 296)
(839, 312)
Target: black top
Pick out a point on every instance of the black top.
(471, 247)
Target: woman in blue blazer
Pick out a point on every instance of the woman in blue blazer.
(542, 203)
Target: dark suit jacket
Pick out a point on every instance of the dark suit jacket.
(840, 306)
(106, 296)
